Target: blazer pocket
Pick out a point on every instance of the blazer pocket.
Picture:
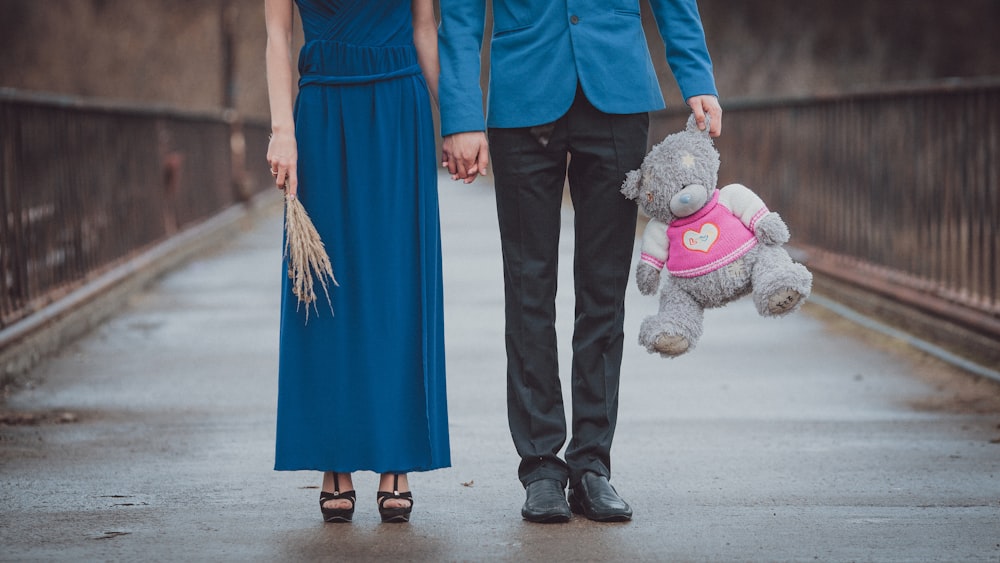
(510, 30)
(630, 13)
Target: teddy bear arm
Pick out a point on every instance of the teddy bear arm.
(767, 226)
(647, 277)
(653, 257)
(743, 203)
(771, 229)
(654, 244)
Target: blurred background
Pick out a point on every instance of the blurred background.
(206, 54)
(873, 126)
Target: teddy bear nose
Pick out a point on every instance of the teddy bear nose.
(685, 199)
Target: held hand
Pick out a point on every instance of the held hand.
(465, 155)
(282, 157)
(701, 105)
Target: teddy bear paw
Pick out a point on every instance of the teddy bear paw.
(671, 344)
(783, 301)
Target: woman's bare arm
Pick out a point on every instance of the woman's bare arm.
(426, 40)
(282, 152)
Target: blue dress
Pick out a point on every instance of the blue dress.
(364, 388)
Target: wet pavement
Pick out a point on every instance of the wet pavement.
(800, 439)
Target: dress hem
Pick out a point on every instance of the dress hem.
(380, 470)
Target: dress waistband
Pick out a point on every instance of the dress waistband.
(325, 62)
(330, 80)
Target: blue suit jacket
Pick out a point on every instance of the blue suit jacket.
(541, 50)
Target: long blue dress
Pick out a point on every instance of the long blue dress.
(364, 388)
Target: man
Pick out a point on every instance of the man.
(568, 78)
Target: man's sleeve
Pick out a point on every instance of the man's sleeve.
(460, 40)
(684, 38)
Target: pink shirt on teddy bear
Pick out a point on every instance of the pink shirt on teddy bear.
(708, 240)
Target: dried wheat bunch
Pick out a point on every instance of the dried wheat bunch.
(307, 258)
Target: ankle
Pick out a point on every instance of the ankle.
(334, 482)
(393, 482)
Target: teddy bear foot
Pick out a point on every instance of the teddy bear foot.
(783, 301)
(671, 345)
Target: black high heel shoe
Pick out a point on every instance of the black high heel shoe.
(338, 515)
(395, 514)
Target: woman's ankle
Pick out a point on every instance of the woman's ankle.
(342, 483)
(393, 482)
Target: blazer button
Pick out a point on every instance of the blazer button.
(574, 20)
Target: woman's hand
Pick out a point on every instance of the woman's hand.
(282, 157)
(466, 155)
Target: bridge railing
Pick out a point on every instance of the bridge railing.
(85, 185)
(895, 191)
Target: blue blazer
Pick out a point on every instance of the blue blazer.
(541, 50)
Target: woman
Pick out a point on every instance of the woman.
(363, 389)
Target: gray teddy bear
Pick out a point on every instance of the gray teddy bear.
(717, 245)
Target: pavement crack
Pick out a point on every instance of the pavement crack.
(109, 535)
(28, 418)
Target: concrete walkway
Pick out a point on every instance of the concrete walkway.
(800, 439)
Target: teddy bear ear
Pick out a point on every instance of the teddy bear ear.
(631, 186)
(692, 124)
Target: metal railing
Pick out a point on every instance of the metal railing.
(896, 191)
(85, 185)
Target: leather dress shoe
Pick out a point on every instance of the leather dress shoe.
(545, 502)
(595, 498)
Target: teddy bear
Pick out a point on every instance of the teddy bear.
(716, 245)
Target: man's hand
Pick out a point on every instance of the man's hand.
(701, 105)
(465, 155)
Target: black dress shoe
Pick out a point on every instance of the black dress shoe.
(545, 502)
(595, 498)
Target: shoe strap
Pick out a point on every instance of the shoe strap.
(337, 495)
(395, 495)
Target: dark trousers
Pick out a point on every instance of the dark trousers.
(530, 169)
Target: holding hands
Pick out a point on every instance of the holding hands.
(465, 155)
